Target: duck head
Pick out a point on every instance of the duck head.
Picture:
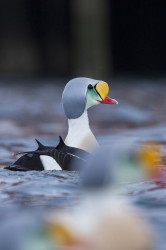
(82, 93)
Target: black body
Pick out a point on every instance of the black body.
(68, 158)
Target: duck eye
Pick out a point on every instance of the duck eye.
(90, 86)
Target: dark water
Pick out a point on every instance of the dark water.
(46, 188)
(28, 112)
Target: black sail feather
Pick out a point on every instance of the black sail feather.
(61, 143)
(40, 145)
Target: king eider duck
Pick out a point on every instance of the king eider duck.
(79, 94)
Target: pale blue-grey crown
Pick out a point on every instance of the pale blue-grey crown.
(74, 96)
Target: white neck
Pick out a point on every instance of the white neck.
(79, 134)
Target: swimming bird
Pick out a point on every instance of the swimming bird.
(78, 96)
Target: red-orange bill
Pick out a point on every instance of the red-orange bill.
(109, 100)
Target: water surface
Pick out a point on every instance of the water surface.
(34, 111)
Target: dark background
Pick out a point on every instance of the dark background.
(80, 37)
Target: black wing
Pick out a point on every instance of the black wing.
(69, 158)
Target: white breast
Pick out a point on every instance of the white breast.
(79, 134)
